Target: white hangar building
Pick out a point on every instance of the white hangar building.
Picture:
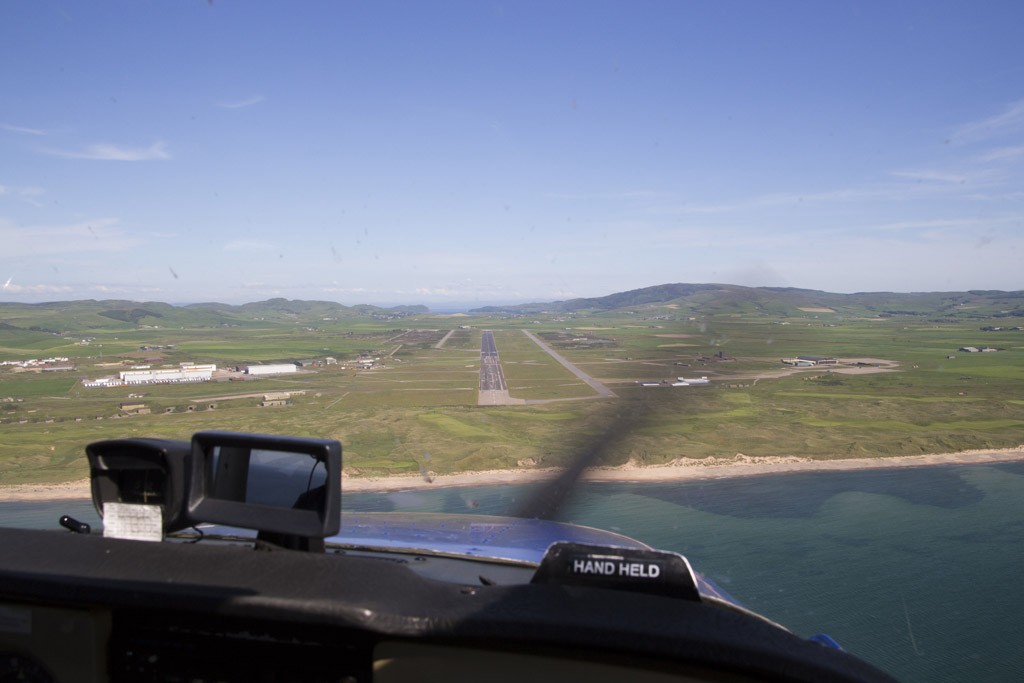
(278, 369)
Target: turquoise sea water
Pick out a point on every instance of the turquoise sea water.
(920, 571)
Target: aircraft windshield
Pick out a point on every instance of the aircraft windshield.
(737, 266)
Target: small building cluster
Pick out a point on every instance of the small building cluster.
(134, 409)
(55, 364)
(279, 398)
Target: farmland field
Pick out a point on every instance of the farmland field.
(399, 403)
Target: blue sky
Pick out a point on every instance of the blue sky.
(464, 153)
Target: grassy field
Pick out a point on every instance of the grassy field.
(416, 410)
(531, 372)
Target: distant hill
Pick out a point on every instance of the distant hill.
(676, 299)
(634, 297)
(712, 299)
(59, 317)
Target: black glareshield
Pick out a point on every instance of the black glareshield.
(275, 484)
(142, 472)
(641, 570)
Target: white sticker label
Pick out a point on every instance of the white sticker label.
(133, 522)
(15, 620)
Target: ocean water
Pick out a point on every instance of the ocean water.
(920, 571)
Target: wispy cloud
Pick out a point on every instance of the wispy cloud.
(101, 235)
(250, 246)
(929, 226)
(627, 195)
(107, 152)
(895, 191)
(1017, 196)
(80, 290)
(25, 194)
(23, 130)
(906, 185)
(20, 191)
(15, 288)
(1003, 154)
(133, 290)
(345, 290)
(930, 175)
(1011, 119)
(880, 192)
(239, 104)
(434, 291)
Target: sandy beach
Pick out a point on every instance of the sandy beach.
(681, 469)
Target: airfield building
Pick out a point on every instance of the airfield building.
(820, 360)
(810, 361)
(276, 369)
(186, 372)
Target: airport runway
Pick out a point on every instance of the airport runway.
(493, 389)
(601, 389)
(444, 339)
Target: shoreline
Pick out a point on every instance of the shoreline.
(679, 470)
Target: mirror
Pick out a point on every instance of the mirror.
(141, 471)
(280, 486)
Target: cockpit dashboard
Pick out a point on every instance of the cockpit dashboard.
(235, 584)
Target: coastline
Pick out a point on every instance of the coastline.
(679, 470)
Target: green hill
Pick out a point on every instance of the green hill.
(677, 299)
(81, 317)
(721, 299)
